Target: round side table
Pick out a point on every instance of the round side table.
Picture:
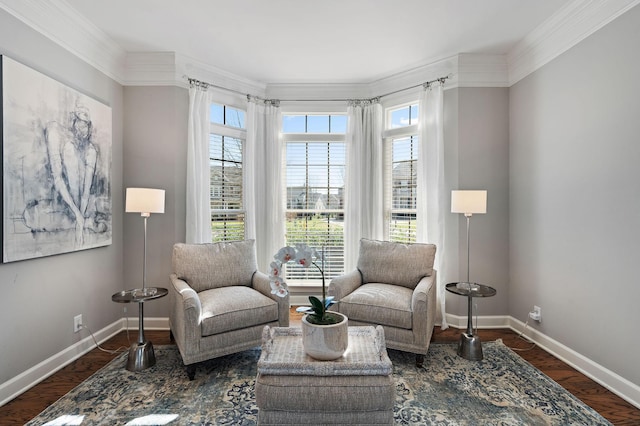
(141, 355)
(470, 346)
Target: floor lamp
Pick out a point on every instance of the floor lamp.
(469, 203)
(144, 201)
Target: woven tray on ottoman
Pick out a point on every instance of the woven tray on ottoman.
(293, 388)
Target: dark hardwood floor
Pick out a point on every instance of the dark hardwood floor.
(609, 405)
(29, 404)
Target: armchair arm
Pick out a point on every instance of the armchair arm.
(184, 314)
(423, 305)
(260, 282)
(341, 286)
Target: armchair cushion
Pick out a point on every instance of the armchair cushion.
(232, 308)
(394, 263)
(388, 304)
(207, 266)
(219, 302)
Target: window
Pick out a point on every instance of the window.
(227, 116)
(226, 143)
(403, 117)
(336, 124)
(315, 171)
(401, 156)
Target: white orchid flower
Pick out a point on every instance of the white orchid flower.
(278, 287)
(281, 292)
(285, 254)
(304, 257)
(317, 254)
(276, 269)
(302, 254)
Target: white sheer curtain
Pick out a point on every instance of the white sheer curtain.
(364, 205)
(432, 211)
(198, 182)
(263, 188)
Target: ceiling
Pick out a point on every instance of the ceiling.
(306, 41)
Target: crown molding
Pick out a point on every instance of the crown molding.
(151, 69)
(463, 70)
(59, 22)
(318, 91)
(189, 67)
(388, 85)
(573, 23)
(417, 76)
(478, 70)
(172, 69)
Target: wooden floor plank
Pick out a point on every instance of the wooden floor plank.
(609, 405)
(615, 409)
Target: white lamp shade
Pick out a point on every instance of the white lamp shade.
(469, 202)
(144, 200)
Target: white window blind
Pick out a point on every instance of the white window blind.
(315, 170)
(226, 142)
(401, 158)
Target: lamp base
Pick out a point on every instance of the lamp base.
(141, 356)
(470, 347)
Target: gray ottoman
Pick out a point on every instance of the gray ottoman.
(293, 388)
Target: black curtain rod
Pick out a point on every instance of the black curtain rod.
(205, 85)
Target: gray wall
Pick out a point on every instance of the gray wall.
(155, 156)
(558, 154)
(575, 197)
(40, 297)
(477, 157)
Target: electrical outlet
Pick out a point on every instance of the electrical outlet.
(77, 323)
(536, 314)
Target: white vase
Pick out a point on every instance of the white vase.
(325, 342)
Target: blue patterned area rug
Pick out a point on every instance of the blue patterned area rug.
(502, 389)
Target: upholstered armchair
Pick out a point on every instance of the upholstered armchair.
(394, 286)
(219, 302)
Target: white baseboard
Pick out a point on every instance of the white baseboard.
(157, 323)
(26, 380)
(622, 387)
(498, 321)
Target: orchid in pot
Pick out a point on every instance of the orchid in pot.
(324, 333)
(306, 257)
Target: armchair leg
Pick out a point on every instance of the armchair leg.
(191, 371)
(419, 360)
(171, 338)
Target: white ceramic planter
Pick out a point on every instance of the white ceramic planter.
(325, 342)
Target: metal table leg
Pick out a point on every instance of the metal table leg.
(470, 346)
(141, 355)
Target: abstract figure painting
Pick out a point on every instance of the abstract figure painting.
(56, 166)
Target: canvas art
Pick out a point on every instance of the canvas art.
(56, 163)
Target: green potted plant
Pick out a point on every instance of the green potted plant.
(324, 332)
